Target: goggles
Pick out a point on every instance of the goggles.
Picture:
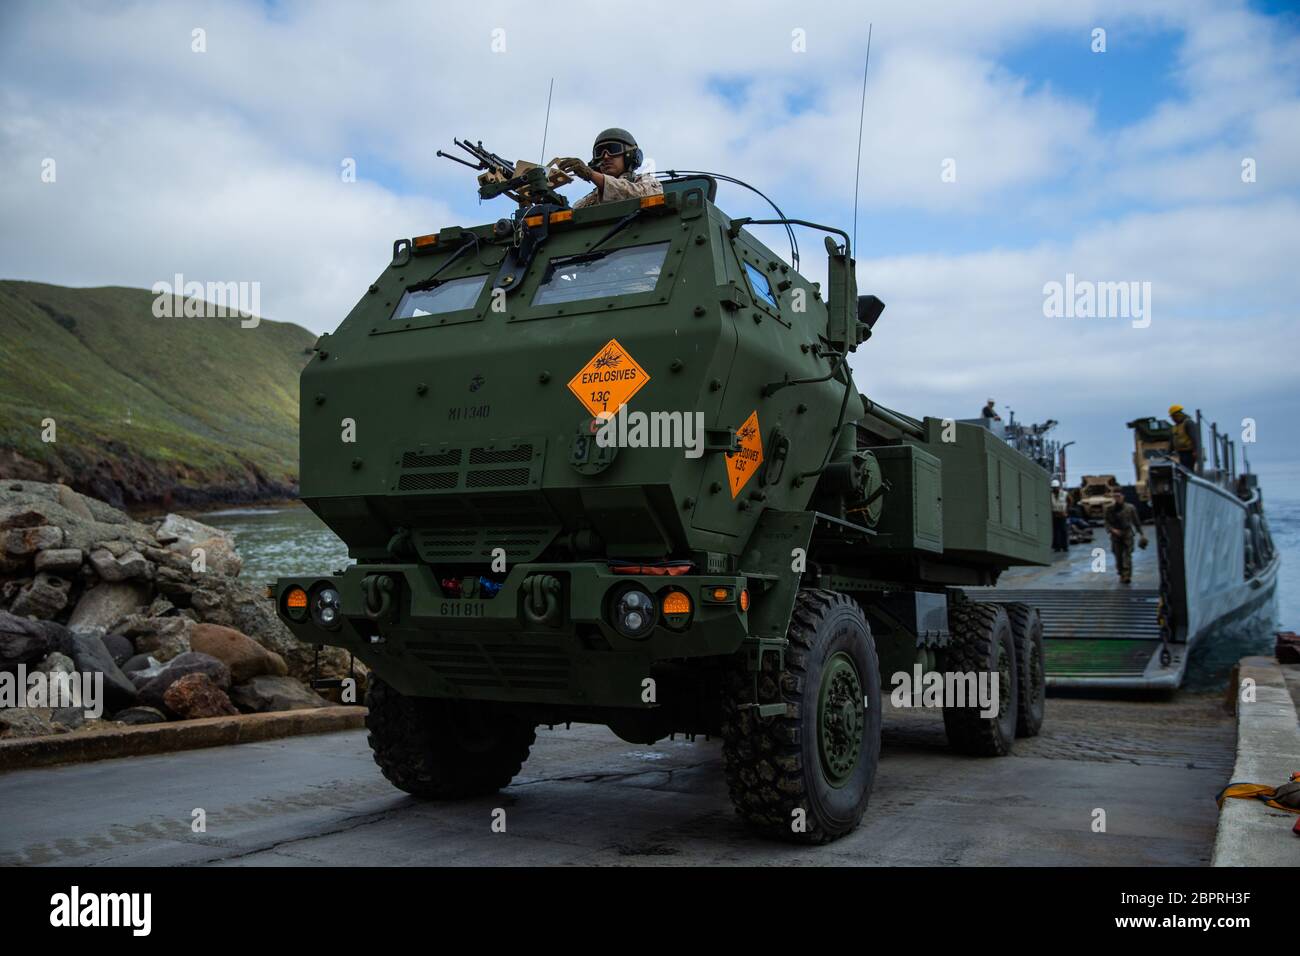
(612, 148)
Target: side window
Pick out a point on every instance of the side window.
(451, 296)
(762, 288)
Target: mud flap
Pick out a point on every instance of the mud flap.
(778, 545)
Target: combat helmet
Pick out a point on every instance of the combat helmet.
(616, 134)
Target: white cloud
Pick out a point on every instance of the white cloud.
(225, 164)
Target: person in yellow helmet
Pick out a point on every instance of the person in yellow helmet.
(1187, 437)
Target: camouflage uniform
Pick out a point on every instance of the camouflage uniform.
(627, 186)
(1124, 518)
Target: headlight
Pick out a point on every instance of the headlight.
(633, 612)
(325, 607)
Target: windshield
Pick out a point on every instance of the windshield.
(621, 272)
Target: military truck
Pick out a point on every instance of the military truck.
(1095, 494)
(754, 580)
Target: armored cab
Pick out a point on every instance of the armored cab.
(609, 464)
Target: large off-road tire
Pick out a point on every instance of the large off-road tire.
(1027, 626)
(444, 749)
(981, 640)
(805, 775)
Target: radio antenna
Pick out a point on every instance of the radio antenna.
(546, 128)
(862, 113)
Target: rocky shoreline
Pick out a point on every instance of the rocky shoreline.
(125, 480)
(156, 610)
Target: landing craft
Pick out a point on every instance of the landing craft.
(1214, 562)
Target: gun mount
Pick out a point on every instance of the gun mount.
(526, 183)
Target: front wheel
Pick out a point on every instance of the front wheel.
(806, 774)
(444, 749)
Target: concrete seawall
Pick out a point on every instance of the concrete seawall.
(83, 745)
(1251, 833)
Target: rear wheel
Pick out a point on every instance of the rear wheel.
(444, 748)
(981, 642)
(1027, 626)
(806, 774)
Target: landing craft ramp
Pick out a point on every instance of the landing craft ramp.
(1096, 631)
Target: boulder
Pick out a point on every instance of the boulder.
(116, 547)
(119, 647)
(160, 637)
(57, 663)
(70, 717)
(59, 560)
(129, 566)
(84, 521)
(20, 641)
(263, 694)
(244, 656)
(161, 607)
(107, 603)
(184, 535)
(21, 516)
(195, 696)
(28, 722)
(59, 637)
(152, 690)
(140, 663)
(20, 542)
(45, 597)
(174, 584)
(89, 655)
(9, 590)
(210, 605)
(74, 504)
(134, 716)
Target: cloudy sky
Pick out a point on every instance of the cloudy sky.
(1004, 149)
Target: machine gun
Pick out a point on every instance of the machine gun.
(526, 183)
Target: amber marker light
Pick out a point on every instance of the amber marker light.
(649, 201)
(295, 603)
(744, 599)
(423, 242)
(676, 608)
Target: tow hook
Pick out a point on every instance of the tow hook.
(542, 599)
(379, 590)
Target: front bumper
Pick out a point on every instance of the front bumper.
(425, 642)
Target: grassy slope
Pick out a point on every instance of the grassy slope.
(204, 396)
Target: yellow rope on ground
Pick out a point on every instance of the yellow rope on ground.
(1259, 791)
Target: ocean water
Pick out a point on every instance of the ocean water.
(289, 539)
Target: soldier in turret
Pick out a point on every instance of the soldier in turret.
(1123, 523)
(615, 157)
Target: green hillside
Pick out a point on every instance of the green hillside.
(147, 409)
